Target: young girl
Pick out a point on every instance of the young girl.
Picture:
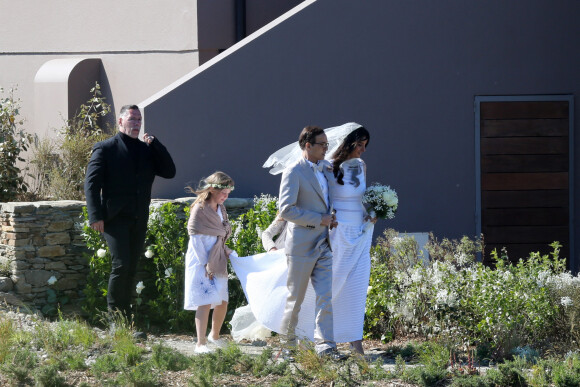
(206, 275)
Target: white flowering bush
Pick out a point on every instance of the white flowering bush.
(564, 290)
(99, 259)
(247, 229)
(166, 244)
(456, 298)
(161, 293)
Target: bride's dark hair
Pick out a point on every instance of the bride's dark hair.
(346, 148)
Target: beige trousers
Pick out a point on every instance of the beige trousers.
(319, 271)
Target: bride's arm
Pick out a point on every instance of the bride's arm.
(275, 228)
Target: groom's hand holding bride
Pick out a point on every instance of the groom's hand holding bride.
(329, 220)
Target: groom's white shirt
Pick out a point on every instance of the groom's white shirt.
(320, 177)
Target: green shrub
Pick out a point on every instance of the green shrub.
(59, 165)
(459, 300)
(567, 372)
(424, 376)
(159, 300)
(165, 358)
(140, 375)
(19, 363)
(74, 360)
(107, 363)
(166, 242)
(247, 229)
(13, 141)
(390, 256)
(95, 291)
(470, 381)
(508, 374)
(47, 376)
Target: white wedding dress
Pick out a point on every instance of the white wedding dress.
(263, 276)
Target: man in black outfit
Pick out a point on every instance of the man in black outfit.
(118, 191)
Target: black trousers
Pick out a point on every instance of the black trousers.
(125, 236)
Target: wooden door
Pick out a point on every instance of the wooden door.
(524, 161)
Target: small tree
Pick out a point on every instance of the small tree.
(13, 140)
(60, 164)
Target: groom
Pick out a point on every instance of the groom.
(305, 204)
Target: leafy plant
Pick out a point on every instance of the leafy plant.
(13, 141)
(247, 229)
(18, 364)
(95, 291)
(508, 374)
(47, 375)
(60, 165)
(466, 303)
(165, 358)
(160, 295)
(166, 242)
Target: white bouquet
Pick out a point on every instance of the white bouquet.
(382, 200)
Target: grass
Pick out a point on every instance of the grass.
(52, 353)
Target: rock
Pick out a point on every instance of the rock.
(58, 238)
(60, 226)
(51, 251)
(6, 284)
(10, 299)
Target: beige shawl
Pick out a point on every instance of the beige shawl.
(205, 221)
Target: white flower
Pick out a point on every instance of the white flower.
(140, 287)
(543, 277)
(507, 276)
(566, 301)
(441, 296)
(52, 280)
(390, 197)
(416, 276)
(168, 272)
(101, 253)
(369, 289)
(149, 253)
(461, 258)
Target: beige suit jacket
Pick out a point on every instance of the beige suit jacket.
(302, 204)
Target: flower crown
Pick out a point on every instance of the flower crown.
(218, 186)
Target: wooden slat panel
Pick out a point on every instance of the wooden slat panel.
(525, 234)
(522, 199)
(523, 181)
(524, 128)
(525, 217)
(515, 110)
(524, 145)
(517, 251)
(524, 163)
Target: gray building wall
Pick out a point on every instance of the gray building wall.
(143, 47)
(407, 70)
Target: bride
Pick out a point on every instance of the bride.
(263, 276)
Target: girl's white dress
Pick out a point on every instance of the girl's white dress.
(263, 276)
(199, 289)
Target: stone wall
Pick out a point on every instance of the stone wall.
(39, 240)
